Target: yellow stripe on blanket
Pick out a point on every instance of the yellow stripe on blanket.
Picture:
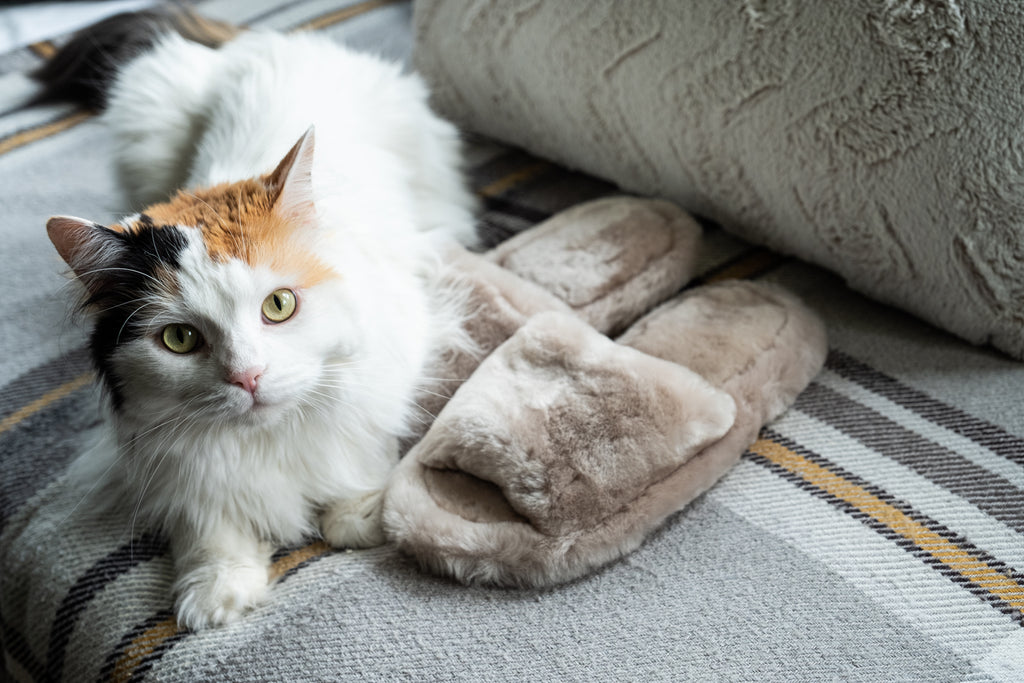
(46, 399)
(749, 265)
(950, 554)
(23, 138)
(152, 638)
(297, 557)
(142, 647)
(506, 183)
(43, 49)
(342, 14)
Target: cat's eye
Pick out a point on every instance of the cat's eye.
(181, 338)
(279, 306)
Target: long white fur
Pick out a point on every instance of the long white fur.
(191, 454)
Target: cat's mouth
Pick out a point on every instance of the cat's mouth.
(260, 411)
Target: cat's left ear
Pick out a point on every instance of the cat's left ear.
(89, 248)
(293, 181)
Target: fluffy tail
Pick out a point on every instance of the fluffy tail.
(85, 68)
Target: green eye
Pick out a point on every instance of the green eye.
(279, 306)
(181, 338)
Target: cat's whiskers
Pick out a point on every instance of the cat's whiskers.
(419, 418)
(163, 454)
(341, 381)
(124, 270)
(360, 365)
(346, 383)
(123, 451)
(331, 400)
(370, 375)
(320, 406)
(126, 320)
(397, 393)
(124, 303)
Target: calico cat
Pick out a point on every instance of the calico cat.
(260, 334)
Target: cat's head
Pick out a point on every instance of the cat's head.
(212, 305)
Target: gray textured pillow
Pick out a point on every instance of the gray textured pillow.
(881, 139)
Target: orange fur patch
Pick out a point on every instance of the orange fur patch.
(238, 220)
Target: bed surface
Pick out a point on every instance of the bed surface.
(875, 532)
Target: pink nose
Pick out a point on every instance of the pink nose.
(246, 378)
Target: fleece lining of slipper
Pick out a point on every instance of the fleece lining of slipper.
(565, 450)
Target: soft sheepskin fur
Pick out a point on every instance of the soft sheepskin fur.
(565, 449)
(608, 261)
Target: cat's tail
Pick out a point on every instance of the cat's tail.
(152, 72)
(85, 69)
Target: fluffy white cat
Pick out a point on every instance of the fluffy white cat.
(261, 334)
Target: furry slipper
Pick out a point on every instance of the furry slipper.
(566, 449)
(607, 261)
(610, 260)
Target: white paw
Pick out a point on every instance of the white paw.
(216, 594)
(353, 523)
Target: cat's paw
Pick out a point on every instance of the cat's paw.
(217, 594)
(354, 523)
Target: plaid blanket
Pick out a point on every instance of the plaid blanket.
(874, 532)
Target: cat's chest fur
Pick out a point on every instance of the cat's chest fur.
(273, 481)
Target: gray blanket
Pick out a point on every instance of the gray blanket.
(873, 533)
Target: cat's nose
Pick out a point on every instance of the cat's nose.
(246, 378)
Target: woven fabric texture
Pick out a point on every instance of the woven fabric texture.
(875, 532)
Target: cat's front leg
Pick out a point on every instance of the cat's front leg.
(221, 574)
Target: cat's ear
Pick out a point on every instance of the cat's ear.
(293, 181)
(85, 246)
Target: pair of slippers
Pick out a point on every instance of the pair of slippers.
(564, 449)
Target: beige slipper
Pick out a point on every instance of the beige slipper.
(565, 449)
(607, 261)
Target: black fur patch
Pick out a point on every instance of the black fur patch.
(83, 70)
(115, 297)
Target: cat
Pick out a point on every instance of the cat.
(260, 334)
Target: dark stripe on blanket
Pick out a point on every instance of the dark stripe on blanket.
(17, 648)
(981, 432)
(988, 491)
(751, 264)
(158, 651)
(945, 551)
(510, 208)
(92, 582)
(498, 182)
(40, 446)
(502, 170)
